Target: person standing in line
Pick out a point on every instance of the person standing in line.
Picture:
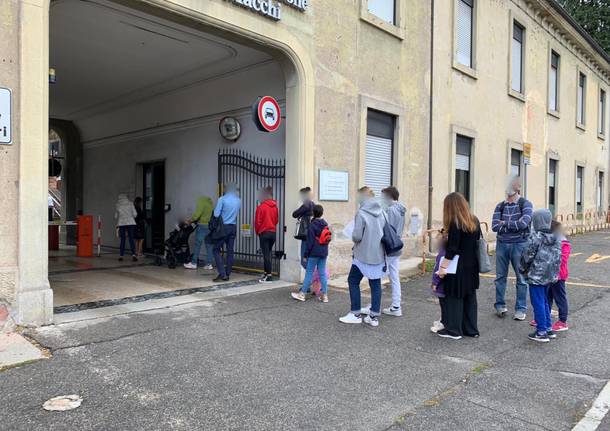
(436, 287)
(368, 258)
(125, 213)
(316, 253)
(460, 304)
(511, 222)
(540, 263)
(140, 231)
(227, 208)
(265, 225)
(395, 215)
(201, 216)
(304, 213)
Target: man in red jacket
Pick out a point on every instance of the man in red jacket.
(265, 225)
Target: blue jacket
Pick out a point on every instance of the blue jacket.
(228, 207)
(313, 248)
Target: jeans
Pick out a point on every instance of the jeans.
(557, 292)
(542, 311)
(228, 241)
(394, 276)
(267, 239)
(510, 253)
(130, 232)
(353, 280)
(201, 233)
(312, 264)
(303, 248)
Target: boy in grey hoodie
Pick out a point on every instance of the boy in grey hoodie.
(368, 258)
(395, 216)
(540, 265)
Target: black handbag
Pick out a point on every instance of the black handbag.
(301, 228)
(217, 229)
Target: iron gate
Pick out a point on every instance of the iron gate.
(250, 174)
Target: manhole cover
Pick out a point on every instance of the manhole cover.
(62, 403)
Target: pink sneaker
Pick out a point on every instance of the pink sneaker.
(533, 323)
(560, 326)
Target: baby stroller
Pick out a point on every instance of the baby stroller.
(176, 247)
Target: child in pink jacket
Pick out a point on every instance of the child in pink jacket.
(557, 291)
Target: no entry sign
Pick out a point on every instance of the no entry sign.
(266, 114)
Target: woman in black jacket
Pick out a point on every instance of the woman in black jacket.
(304, 213)
(460, 288)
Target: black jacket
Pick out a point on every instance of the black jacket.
(313, 248)
(305, 210)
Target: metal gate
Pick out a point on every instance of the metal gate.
(250, 174)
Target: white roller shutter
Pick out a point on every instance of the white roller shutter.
(462, 162)
(464, 32)
(378, 163)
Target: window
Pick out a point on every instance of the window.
(516, 161)
(579, 188)
(379, 150)
(464, 32)
(384, 9)
(517, 57)
(600, 191)
(602, 113)
(462, 165)
(580, 103)
(554, 83)
(552, 184)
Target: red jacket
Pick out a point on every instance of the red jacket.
(266, 217)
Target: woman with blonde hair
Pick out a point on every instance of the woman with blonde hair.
(460, 288)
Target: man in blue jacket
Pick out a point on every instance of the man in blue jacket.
(227, 208)
(511, 222)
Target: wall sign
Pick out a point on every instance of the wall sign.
(5, 116)
(271, 8)
(527, 154)
(333, 185)
(266, 114)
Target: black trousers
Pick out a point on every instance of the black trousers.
(460, 315)
(267, 240)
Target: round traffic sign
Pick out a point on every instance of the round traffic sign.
(269, 114)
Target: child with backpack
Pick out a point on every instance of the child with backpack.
(540, 264)
(316, 253)
(437, 282)
(557, 291)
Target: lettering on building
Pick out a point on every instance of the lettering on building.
(271, 8)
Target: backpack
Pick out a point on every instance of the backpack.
(325, 237)
(390, 240)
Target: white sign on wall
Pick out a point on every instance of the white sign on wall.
(271, 8)
(5, 116)
(333, 185)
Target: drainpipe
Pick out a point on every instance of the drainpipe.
(430, 123)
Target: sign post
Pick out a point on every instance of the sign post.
(527, 160)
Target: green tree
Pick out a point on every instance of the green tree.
(593, 16)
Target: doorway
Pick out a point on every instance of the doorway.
(153, 187)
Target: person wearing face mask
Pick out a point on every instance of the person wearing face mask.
(511, 222)
(395, 216)
(304, 213)
(368, 258)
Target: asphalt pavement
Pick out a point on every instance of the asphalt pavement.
(262, 361)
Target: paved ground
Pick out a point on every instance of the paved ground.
(262, 362)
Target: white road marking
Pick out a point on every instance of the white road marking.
(595, 415)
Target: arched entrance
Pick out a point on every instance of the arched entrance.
(278, 44)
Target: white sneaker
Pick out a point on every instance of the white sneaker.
(366, 310)
(437, 326)
(392, 311)
(299, 296)
(208, 267)
(371, 320)
(190, 265)
(350, 318)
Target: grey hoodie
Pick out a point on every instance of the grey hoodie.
(395, 215)
(541, 259)
(368, 231)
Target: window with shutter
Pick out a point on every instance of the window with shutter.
(517, 58)
(580, 103)
(379, 151)
(384, 9)
(552, 184)
(516, 160)
(579, 188)
(554, 82)
(602, 112)
(464, 32)
(463, 165)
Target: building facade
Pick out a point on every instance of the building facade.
(514, 74)
(129, 90)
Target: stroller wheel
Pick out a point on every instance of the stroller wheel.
(158, 261)
(171, 262)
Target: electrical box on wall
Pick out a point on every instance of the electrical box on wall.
(5, 116)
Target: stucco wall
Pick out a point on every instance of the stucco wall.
(484, 107)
